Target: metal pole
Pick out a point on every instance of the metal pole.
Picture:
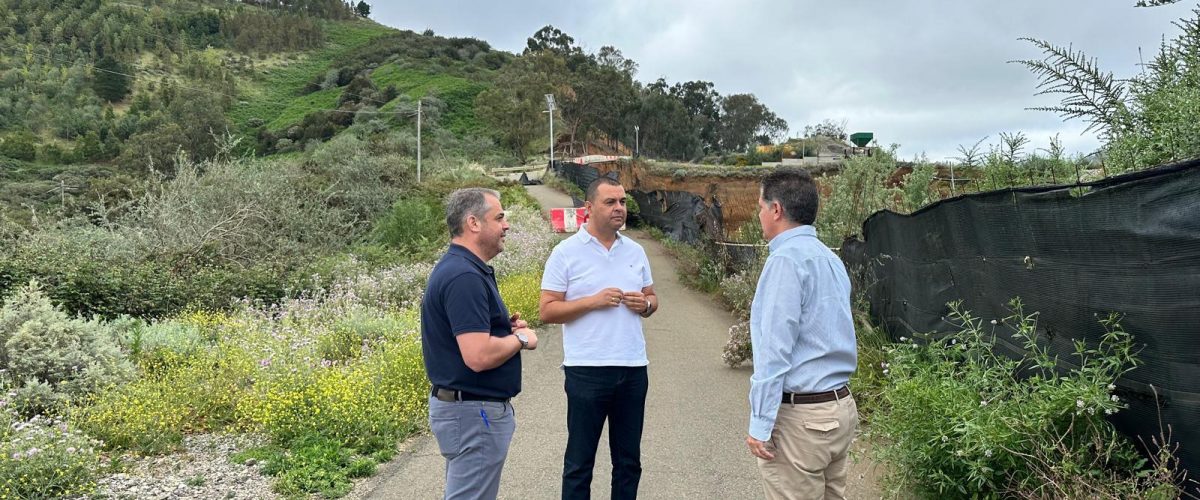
(418, 141)
(637, 144)
(550, 109)
(951, 179)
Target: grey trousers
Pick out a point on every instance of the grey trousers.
(473, 436)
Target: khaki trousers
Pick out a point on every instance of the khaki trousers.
(811, 443)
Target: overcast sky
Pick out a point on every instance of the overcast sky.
(926, 75)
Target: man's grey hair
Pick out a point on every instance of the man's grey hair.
(466, 202)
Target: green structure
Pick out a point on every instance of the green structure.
(861, 139)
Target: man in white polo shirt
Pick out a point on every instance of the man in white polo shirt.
(597, 283)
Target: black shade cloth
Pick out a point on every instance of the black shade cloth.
(1128, 244)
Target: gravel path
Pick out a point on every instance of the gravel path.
(203, 470)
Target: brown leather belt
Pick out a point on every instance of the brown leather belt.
(816, 397)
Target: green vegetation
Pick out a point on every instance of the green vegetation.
(959, 420)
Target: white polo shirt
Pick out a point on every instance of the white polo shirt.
(580, 266)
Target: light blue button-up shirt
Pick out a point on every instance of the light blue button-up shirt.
(801, 327)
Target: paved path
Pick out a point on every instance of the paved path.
(693, 445)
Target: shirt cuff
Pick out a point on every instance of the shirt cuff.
(760, 428)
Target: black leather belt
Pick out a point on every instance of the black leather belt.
(451, 395)
(815, 397)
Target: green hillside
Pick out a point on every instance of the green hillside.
(96, 94)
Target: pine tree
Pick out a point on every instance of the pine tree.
(363, 9)
(109, 80)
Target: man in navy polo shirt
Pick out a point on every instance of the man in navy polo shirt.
(471, 347)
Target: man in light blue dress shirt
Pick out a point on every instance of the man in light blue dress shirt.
(802, 415)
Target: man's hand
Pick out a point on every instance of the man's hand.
(606, 298)
(529, 334)
(517, 322)
(759, 449)
(635, 301)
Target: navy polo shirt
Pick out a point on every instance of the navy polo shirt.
(462, 297)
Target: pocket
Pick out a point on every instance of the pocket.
(446, 430)
(821, 425)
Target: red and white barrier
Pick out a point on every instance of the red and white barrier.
(567, 220)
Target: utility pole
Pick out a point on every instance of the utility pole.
(418, 141)
(550, 109)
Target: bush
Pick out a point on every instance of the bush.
(176, 395)
(52, 357)
(44, 458)
(20, 146)
(521, 293)
(367, 405)
(414, 225)
(962, 421)
(858, 191)
(527, 245)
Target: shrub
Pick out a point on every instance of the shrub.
(367, 405)
(53, 357)
(738, 348)
(858, 191)
(414, 225)
(176, 395)
(19, 146)
(521, 293)
(963, 421)
(527, 245)
(44, 458)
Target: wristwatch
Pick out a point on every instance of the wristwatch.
(524, 340)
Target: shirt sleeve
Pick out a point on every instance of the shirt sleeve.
(774, 324)
(467, 304)
(554, 275)
(647, 279)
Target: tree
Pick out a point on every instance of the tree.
(828, 129)
(513, 107)
(109, 80)
(744, 120)
(363, 9)
(666, 130)
(703, 106)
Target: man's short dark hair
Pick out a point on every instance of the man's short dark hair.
(464, 202)
(594, 186)
(796, 192)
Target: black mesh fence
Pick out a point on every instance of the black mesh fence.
(1128, 244)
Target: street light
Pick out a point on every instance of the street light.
(550, 109)
(636, 143)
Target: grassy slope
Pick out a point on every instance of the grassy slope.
(275, 97)
(458, 93)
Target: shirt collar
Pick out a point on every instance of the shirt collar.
(794, 232)
(587, 237)
(462, 251)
